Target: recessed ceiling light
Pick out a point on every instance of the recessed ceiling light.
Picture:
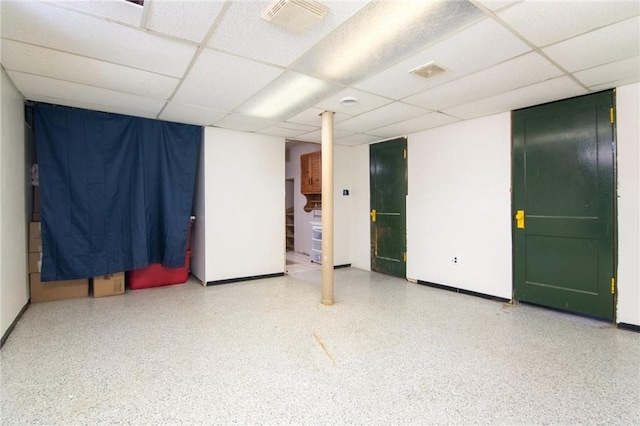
(352, 52)
(349, 101)
(287, 95)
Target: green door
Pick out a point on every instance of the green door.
(388, 170)
(563, 186)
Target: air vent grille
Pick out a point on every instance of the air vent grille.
(297, 16)
(427, 70)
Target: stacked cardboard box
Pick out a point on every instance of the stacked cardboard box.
(49, 290)
(108, 285)
(56, 290)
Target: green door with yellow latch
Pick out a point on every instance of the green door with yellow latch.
(388, 185)
(563, 205)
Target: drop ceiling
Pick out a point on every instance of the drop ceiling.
(218, 63)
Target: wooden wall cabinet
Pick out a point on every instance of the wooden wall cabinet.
(311, 173)
(311, 179)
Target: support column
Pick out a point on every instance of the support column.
(327, 208)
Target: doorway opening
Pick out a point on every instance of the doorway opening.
(303, 241)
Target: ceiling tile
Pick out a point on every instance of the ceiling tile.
(614, 84)
(316, 136)
(522, 71)
(87, 105)
(497, 4)
(480, 46)
(312, 117)
(263, 41)
(92, 72)
(121, 11)
(357, 139)
(46, 25)
(190, 114)
(619, 70)
(367, 102)
(414, 125)
(598, 47)
(74, 92)
(547, 22)
(244, 123)
(353, 51)
(296, 126)
(547, 91)
(388, 114)
(188, 20)
(281, 131)
(221, 81)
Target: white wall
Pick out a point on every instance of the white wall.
(459, 205)
(466, 165)
(342, 175)
(360, 204)
(628, 136)
(199, 231)
(14, 290)
(243, 177)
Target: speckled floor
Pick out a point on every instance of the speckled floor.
(267, 351)
(298, 262)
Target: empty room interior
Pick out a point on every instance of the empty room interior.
(320, 212)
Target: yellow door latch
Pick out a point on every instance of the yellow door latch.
(373, 215)
(520, 219)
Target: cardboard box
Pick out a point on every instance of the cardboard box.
(108, 285)
(36, 204)
(56, 290)
(35, 262)
(35, 237)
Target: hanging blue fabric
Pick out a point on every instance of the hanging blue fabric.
(116, 191)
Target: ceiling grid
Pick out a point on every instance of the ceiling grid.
(220, 64)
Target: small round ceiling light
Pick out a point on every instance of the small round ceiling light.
(349, 101)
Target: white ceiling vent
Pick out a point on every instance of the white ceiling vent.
(427, 70)
(297, 16)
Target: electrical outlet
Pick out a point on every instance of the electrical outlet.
(455, 260)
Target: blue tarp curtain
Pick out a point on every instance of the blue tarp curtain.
(116, 191)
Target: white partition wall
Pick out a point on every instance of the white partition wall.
(628, 134)
(342, 205)
(360, 203)
(241, 196)
(199, 231)
(14, 287)
(459, 206)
